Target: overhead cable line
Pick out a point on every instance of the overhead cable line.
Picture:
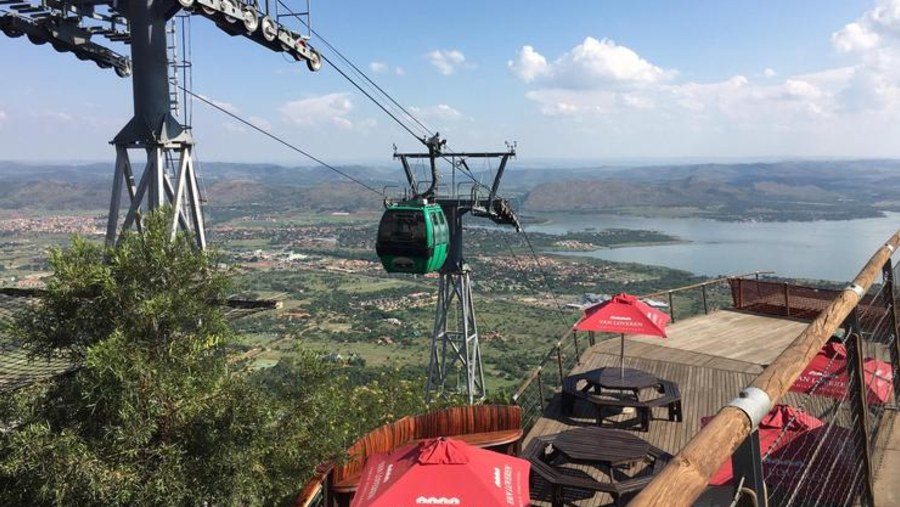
(520, 267)
(370, 97)
(366, 77)
(278, 139)
(541, 269)
(463, 169)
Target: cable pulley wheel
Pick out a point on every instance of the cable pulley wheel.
(251, 18)
(314, 62)
(234, 5)
(186, 4)
(269, 28)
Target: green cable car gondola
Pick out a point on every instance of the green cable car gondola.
(413, 237)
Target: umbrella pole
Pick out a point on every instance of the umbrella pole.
(622, 357)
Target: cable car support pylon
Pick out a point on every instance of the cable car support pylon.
(455, 367)
(169, 176)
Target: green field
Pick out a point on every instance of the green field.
(366, 319)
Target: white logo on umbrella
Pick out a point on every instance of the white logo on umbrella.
(433, 500)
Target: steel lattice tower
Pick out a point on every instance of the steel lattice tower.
(169, 176)
(455, 366)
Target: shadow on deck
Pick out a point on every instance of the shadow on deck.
(711, 357)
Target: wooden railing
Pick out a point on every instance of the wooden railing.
(453, 421)
(687, 475)
(546, 378)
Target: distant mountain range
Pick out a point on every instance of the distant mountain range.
(790, 190)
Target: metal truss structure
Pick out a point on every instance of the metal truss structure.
(455, 367)
(146, 26)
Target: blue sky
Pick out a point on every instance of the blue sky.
(582, 79)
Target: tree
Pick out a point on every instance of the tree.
(152, 416)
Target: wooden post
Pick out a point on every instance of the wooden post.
(687, 474)
(671, 308)
(705, 305)
(559, 363)
(540, 382)
(591, 338)
(787, 300)
(739, 300)
(577, 352)
(858, 398)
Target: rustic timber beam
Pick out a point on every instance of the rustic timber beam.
(686, 476)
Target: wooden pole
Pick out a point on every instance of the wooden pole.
(787, 300)
(577, 352)
(705, 304)
(671, 308)
(540, 391)
(686, 475)
(559, 363)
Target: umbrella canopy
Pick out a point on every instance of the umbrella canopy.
(788, 439)
(826, 375)
(442, 472)
(625, 314)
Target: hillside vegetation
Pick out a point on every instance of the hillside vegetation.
(793, 190)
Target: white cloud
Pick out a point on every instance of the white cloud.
(235, 128)
(383, 68)
(529, 64)
(854, 37)
(55, 116)
(261, 123)
(3, 117)
(240, 128)
(448, 61)
(439, 112)
(227, 106)
(331, 109)
(592, 64)
(769, 73)
(637, 101)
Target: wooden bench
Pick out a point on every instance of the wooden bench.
(619, 491)
(670, 397)
(571, 392)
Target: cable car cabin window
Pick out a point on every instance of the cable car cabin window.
(402, 227)
(440, 227)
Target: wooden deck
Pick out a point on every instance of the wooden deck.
(711, 357)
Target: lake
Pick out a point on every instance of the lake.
(816, 250)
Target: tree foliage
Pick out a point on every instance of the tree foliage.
(154, 416)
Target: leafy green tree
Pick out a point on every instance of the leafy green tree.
(153, 415)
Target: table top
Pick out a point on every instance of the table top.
(593, 444)
(613, 377)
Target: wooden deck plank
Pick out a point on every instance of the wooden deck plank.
(710, 357)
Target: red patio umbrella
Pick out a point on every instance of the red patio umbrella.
(788, 439)
(624, 314)
(442, 471)
(831, 363)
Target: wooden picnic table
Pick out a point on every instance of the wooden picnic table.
(628, 379)
(589, 386)
(581, 457)
(594, 445)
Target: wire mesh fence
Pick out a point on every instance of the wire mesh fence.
(819, 445)
(545, 380)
